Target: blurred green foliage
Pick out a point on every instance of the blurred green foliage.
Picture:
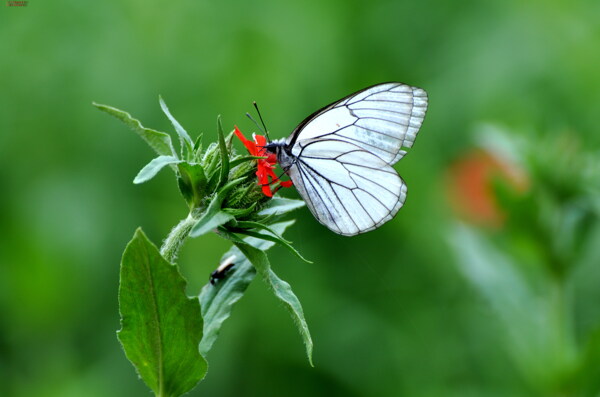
(527, 270)
(391, 311)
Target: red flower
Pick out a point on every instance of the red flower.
(470, 186)
(265, 165)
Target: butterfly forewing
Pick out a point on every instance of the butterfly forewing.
(380, 119)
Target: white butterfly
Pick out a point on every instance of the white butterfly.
(340, 157)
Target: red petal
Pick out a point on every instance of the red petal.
(271, 158)
(260, 140)
(251, 146)
(263, 177)
(264, 167)
(266, 189)
(269, 170)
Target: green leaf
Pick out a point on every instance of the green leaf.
(224, 154)
(270, 237)
(537, 332)
(258, 225)
(279, 228)
(160, 326)
(184, 138)
(274, 238)
(152, 168)
(192, 183)
(242, 159)
(587, 376)
(281, 289)
(229, 140)
(281, 205)
(214, 216)
(217, 300)
(198, 147)
(241, 212)
(210, 159)
(159, 141)
(213, 180)
(209, 222)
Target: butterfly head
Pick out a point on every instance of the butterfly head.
(280, 148)
(274, 146)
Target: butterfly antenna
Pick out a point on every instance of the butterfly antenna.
(262, 121)
(255, 123)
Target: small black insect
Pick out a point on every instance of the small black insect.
(223, 270)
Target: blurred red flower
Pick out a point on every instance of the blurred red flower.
(470, 186)
(265, 174)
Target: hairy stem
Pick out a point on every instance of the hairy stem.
(174, 241)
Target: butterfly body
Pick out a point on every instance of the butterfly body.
(340, 157)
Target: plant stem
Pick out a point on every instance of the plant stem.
(174, 241)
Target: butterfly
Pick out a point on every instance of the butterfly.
(340, 157)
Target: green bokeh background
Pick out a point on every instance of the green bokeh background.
(390, 312)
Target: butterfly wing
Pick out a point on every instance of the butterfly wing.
(381, 119)
(343, 155)
(348, 189)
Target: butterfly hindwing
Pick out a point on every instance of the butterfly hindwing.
(347, 189)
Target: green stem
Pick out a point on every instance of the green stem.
(174, 241)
